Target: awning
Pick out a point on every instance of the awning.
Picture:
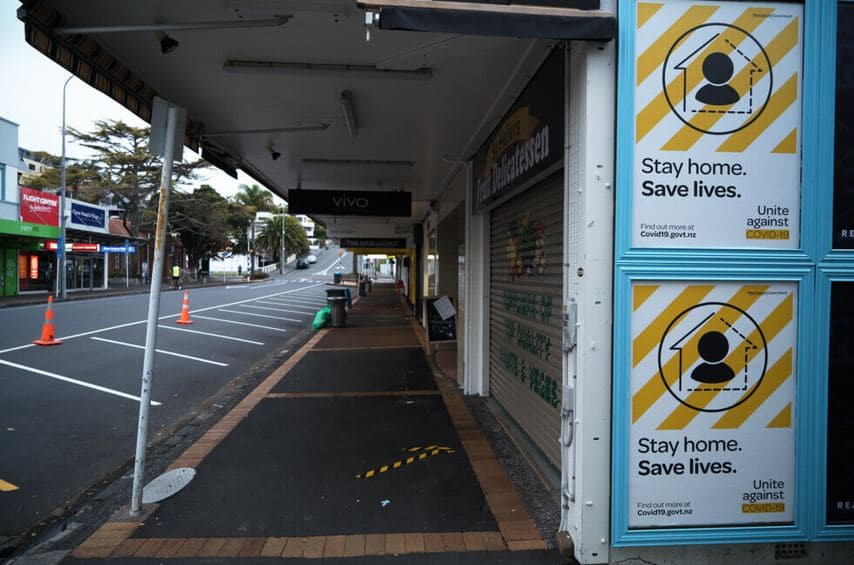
(88, 60)
(513, 20)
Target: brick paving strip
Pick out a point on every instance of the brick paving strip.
(514, 522)
(285, 395)
(516, 528)
(356, 545)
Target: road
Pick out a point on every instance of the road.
(68, 413)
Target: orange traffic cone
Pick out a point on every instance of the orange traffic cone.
(47, 328)
(185, 310)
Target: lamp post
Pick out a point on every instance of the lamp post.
(60, 245)
(284, 257)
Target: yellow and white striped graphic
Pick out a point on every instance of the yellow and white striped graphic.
(679, 99)
(671, 321)
(713, 389)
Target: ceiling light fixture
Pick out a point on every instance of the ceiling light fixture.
(286, 129)
(356, 71)
(349, 114)
(167, 44)
(273, 153)
(383, 162)
(222, 24)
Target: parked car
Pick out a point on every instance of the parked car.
(311, 259)
(302, 264)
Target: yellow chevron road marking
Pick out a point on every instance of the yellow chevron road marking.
(7, 487)
(429, 451)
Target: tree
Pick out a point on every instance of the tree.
(270, 237)
(255, 199)
(205, 221)
(79, 174)
(320, 234)
(121, 168)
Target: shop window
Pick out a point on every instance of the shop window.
(843, 182)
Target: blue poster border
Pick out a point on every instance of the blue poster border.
(622, 536)
(812, 266)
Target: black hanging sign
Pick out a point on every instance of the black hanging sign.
(374, 242)
(350, 203)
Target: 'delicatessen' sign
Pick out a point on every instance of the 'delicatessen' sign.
(350, 203)
(528, 140)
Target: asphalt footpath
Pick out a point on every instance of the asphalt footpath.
(353, 451)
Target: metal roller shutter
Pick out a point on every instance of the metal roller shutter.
(526, 252)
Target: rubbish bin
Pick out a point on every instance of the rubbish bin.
(336, 278)
(362, 287)
(336, 308)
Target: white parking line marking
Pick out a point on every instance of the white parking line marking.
(274, 303)
(239, 323)
(211, 334)
(100, 330)
(260, 315)
(298, 302)
(163, 351)
(75, 381)
(276, 309)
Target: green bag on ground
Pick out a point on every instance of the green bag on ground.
(322, 318)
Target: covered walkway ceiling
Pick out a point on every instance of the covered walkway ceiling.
(417, 103)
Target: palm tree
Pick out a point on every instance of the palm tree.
(255, 199)
(270, 237)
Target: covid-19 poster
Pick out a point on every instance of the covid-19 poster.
(717, 160)
(713, 371)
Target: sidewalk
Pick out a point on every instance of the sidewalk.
(352, 451)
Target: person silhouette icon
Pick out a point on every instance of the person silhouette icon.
(718, 70)
(712, 347)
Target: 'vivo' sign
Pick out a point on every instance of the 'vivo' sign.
(350, 203)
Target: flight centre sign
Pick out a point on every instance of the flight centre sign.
(717, 106)
(713, 370)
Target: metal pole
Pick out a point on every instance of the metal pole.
(153, 311)
(60, 245)
(284, 257)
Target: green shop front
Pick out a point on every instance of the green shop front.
(24, 266)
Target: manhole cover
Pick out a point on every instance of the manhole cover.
(167, 484)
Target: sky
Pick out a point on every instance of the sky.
(31, 96)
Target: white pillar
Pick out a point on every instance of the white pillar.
(590, 189)
(476, 335)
